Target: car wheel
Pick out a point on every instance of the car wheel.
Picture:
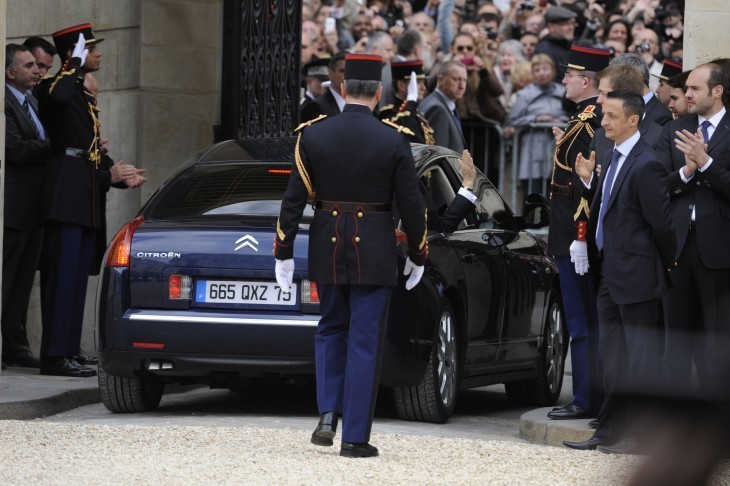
(433, 399)
(544, 389)
(123, 394)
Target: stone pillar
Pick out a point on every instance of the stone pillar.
(705, 37)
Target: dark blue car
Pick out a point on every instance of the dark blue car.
(187, 293)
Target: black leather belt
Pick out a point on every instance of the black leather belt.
(352, 207)
(557, 189)
(692, 226)
(74, 152)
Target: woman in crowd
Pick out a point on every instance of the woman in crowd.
(510, 53)
(539, 102)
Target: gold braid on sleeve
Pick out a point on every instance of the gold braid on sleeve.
(302, 170)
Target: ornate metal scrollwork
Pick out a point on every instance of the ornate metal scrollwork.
(261, 50)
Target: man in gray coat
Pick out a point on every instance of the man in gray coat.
(440, 106)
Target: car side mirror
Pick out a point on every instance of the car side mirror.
(537, 211)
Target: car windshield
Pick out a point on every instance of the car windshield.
(222, 190)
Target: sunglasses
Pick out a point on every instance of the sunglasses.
(464, 48)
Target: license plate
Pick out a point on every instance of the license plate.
(243, 292)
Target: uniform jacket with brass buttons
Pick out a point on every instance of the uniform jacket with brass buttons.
(356, 159)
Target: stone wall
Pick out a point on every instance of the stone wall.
(705, 37)
(159, 91)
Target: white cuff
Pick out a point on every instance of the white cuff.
(685, 179)
(467, 194)
(704, 167)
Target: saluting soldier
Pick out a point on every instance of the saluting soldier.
(73, 185)
(352, 166)
(569, 212)
(409, 86)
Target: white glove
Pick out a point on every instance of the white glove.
(415, 272)
(79, 50)
(412, 88)
(579, 256)
(284, 273)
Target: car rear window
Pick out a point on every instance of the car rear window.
(210, 191)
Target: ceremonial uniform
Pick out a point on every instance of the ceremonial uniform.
(73, 186)
(353, 167)
(569, 213)
(406, 114)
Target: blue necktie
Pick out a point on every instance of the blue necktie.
(610, 176)
(705, 134)
(458, 120)
(26, 105)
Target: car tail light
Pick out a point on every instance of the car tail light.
(121, 246)
(309, 292)
(280, 171)
(180, 287)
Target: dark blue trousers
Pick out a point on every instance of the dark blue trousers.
(68, 250)
(348, 348)
(581, 316)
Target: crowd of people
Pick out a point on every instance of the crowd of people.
(496, 41)
(638, 186)
(57, 174)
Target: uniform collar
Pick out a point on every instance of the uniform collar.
(353, 107)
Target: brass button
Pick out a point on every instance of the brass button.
(334, 213)
(334, 239)
(357, 239)
(359, 214)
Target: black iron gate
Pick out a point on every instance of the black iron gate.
(260, 74)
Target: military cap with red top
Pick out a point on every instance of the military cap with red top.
(402, 69)
(669, 69)
(365, 67)
(588, 58)
(67, 38)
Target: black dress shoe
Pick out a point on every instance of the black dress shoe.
(358, 449)
(594, 424)
(628, 445)
(587, 445)
(24, 359)
(570, 412)
(64, 367)
(326, 429)
(83, 359)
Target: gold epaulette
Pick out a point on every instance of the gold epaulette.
(400, 128)
(304, 125)
(588, 113)
(388, 107)
(401, 115)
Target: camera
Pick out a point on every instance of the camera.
(643, 47)
(661, 13)
(527, 5)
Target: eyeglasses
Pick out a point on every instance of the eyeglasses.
(464, 48)
(571, 75)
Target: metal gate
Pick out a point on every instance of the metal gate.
(260, 73)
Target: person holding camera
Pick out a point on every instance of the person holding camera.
(647, 46)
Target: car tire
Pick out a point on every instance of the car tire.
(434, 398)
(123, 394)
(544, 389)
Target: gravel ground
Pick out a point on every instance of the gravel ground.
(50, 453)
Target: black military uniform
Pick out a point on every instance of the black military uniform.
(315, 69)
(569, 212)
(353, 166)
(405, 113)
(72, 206)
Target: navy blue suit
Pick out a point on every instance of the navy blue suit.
(638, 246)
(354, 166)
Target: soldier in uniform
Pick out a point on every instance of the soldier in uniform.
(72, 187)
(315, 73)
(409, 87)
(352, 166)
(569, 211)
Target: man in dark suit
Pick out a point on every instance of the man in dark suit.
(440, 106)
(352, 246)
(632, 246)
(696, 149)
(26, 151)
(331, 102)
(315, 73)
